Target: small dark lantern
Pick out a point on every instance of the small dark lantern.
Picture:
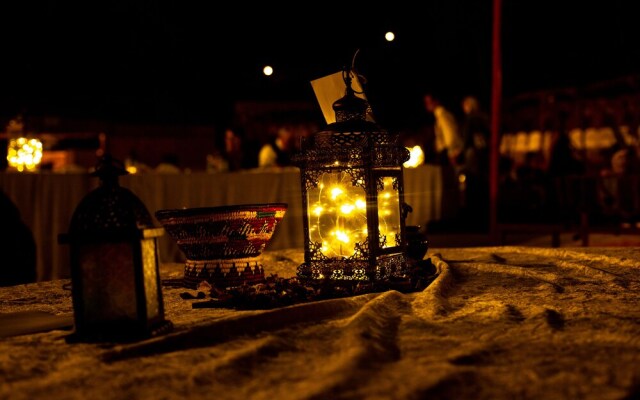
(353, 198)
(115, 278)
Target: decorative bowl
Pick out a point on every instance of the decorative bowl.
(223, 245)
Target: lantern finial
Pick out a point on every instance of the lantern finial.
(109, 169)
(350, 107)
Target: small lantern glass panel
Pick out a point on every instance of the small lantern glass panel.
(149, 252)
(337, 215)
(389, 223)
(108, 282)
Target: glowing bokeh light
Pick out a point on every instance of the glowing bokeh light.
(416, 157)
(24, 154)
(346, 208)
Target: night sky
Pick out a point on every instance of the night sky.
(189, 61)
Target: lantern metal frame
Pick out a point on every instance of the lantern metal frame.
(112, 219)
(368, 154)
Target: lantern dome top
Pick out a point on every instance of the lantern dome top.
(350, 107)
(109, 208)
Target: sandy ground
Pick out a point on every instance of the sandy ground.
(497, 323)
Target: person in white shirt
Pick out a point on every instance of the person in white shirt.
(448, 144)
(168, 164)
(277, 152)
(449, 154)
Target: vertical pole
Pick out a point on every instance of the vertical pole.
(496, 97)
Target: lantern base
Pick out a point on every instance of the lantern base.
(224, 273)
(414, 275)
(394, 266)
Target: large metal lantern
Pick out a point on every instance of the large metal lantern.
(114, 263)
(353, 198)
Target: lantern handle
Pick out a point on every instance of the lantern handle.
(405, 210)
(361, 78)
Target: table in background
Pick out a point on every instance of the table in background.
(47, 200)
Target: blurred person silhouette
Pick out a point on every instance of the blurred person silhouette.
(448, 142)
(217, 162)
(169, 164)
(475, 136)
(446, 151)
(278, 150)
(474, 168)
(17, 245)
(563, 168)
(233, 148)
(562, 157)
(617, 201)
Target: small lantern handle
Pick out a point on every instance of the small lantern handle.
(353, 69)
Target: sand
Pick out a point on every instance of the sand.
(497, 323)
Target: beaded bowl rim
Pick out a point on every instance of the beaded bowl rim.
(198, 211)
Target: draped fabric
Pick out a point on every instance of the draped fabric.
(496, 323)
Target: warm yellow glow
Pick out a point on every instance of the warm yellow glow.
(24, 154)
(462, 178)
(416, 157)
(132, 169)
(338, 214)
(335, 192)
(389, 36)
(388, 213)
(347, 208)
(267, 70)
(341, 236)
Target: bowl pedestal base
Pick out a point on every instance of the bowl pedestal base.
(224, 273)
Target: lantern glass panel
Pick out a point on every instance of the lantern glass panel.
(337, 211)
(149, 256)
(389, 213)
(108, 286)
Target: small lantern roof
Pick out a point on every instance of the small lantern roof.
(109, 209)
